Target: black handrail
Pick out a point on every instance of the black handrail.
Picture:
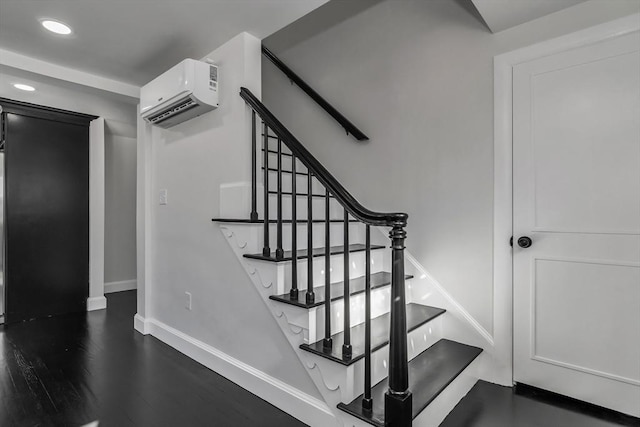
(344, 122)
(397, 219)
(398, 399)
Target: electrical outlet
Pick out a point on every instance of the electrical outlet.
(163, 197)
(188, 301)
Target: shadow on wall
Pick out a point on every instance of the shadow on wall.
(321, 19)
(331, 14)
(469, 7)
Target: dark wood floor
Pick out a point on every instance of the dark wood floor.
(490, 405)
(74, 369)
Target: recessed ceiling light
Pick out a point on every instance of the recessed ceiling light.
(24, 87)
(56, 27)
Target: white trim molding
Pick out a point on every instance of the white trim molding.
(144, 218)
(140, 324)
(38, 66)
(300, 405)
(503, 167)
(123, 285)
(96, 215)
(96, 303)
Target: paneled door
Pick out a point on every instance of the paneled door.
(576, 196)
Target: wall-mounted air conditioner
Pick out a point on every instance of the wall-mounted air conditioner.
(187, 90)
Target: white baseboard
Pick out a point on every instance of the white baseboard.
(298, 404)
(123, 285)
(96, 303)
(140, 324)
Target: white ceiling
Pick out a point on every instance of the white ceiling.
(502, 14)
(132, 41)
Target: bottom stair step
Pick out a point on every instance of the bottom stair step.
(429, 373)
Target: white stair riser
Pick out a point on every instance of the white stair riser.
(356, 268)
(336, 233)
(279, 274)
(250, 236)
(380, 304)
(312, 320)
(350, 379)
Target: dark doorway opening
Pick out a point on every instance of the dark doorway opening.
(46, 206)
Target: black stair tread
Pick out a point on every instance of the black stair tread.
(417, 315)
(429, 374)
(356, 286)
(302, 253)
(275, 221)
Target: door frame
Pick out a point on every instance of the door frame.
(96, 299)
(503, 172)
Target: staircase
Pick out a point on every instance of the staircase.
(339, 295)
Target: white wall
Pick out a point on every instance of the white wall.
(120, 162)
(120, 206)
(185, 251)
(417, 77)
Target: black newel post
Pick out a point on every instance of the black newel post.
(398, 400)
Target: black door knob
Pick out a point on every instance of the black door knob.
(524, 242)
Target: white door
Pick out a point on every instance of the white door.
(576, 195)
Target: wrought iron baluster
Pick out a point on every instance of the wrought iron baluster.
(279, 250)
(293, 293)
(311, 297)
(346, 346)
(266, 250)
(367, 402)
(327, 342)
(254, 170)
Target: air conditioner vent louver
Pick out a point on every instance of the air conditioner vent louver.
(182, 106)
(187, 90)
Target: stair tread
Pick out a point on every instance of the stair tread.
(356, 286)
(275, 221)
(317, 252)
(417, 315)
(429, 374)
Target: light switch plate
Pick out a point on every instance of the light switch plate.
(163, 197)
